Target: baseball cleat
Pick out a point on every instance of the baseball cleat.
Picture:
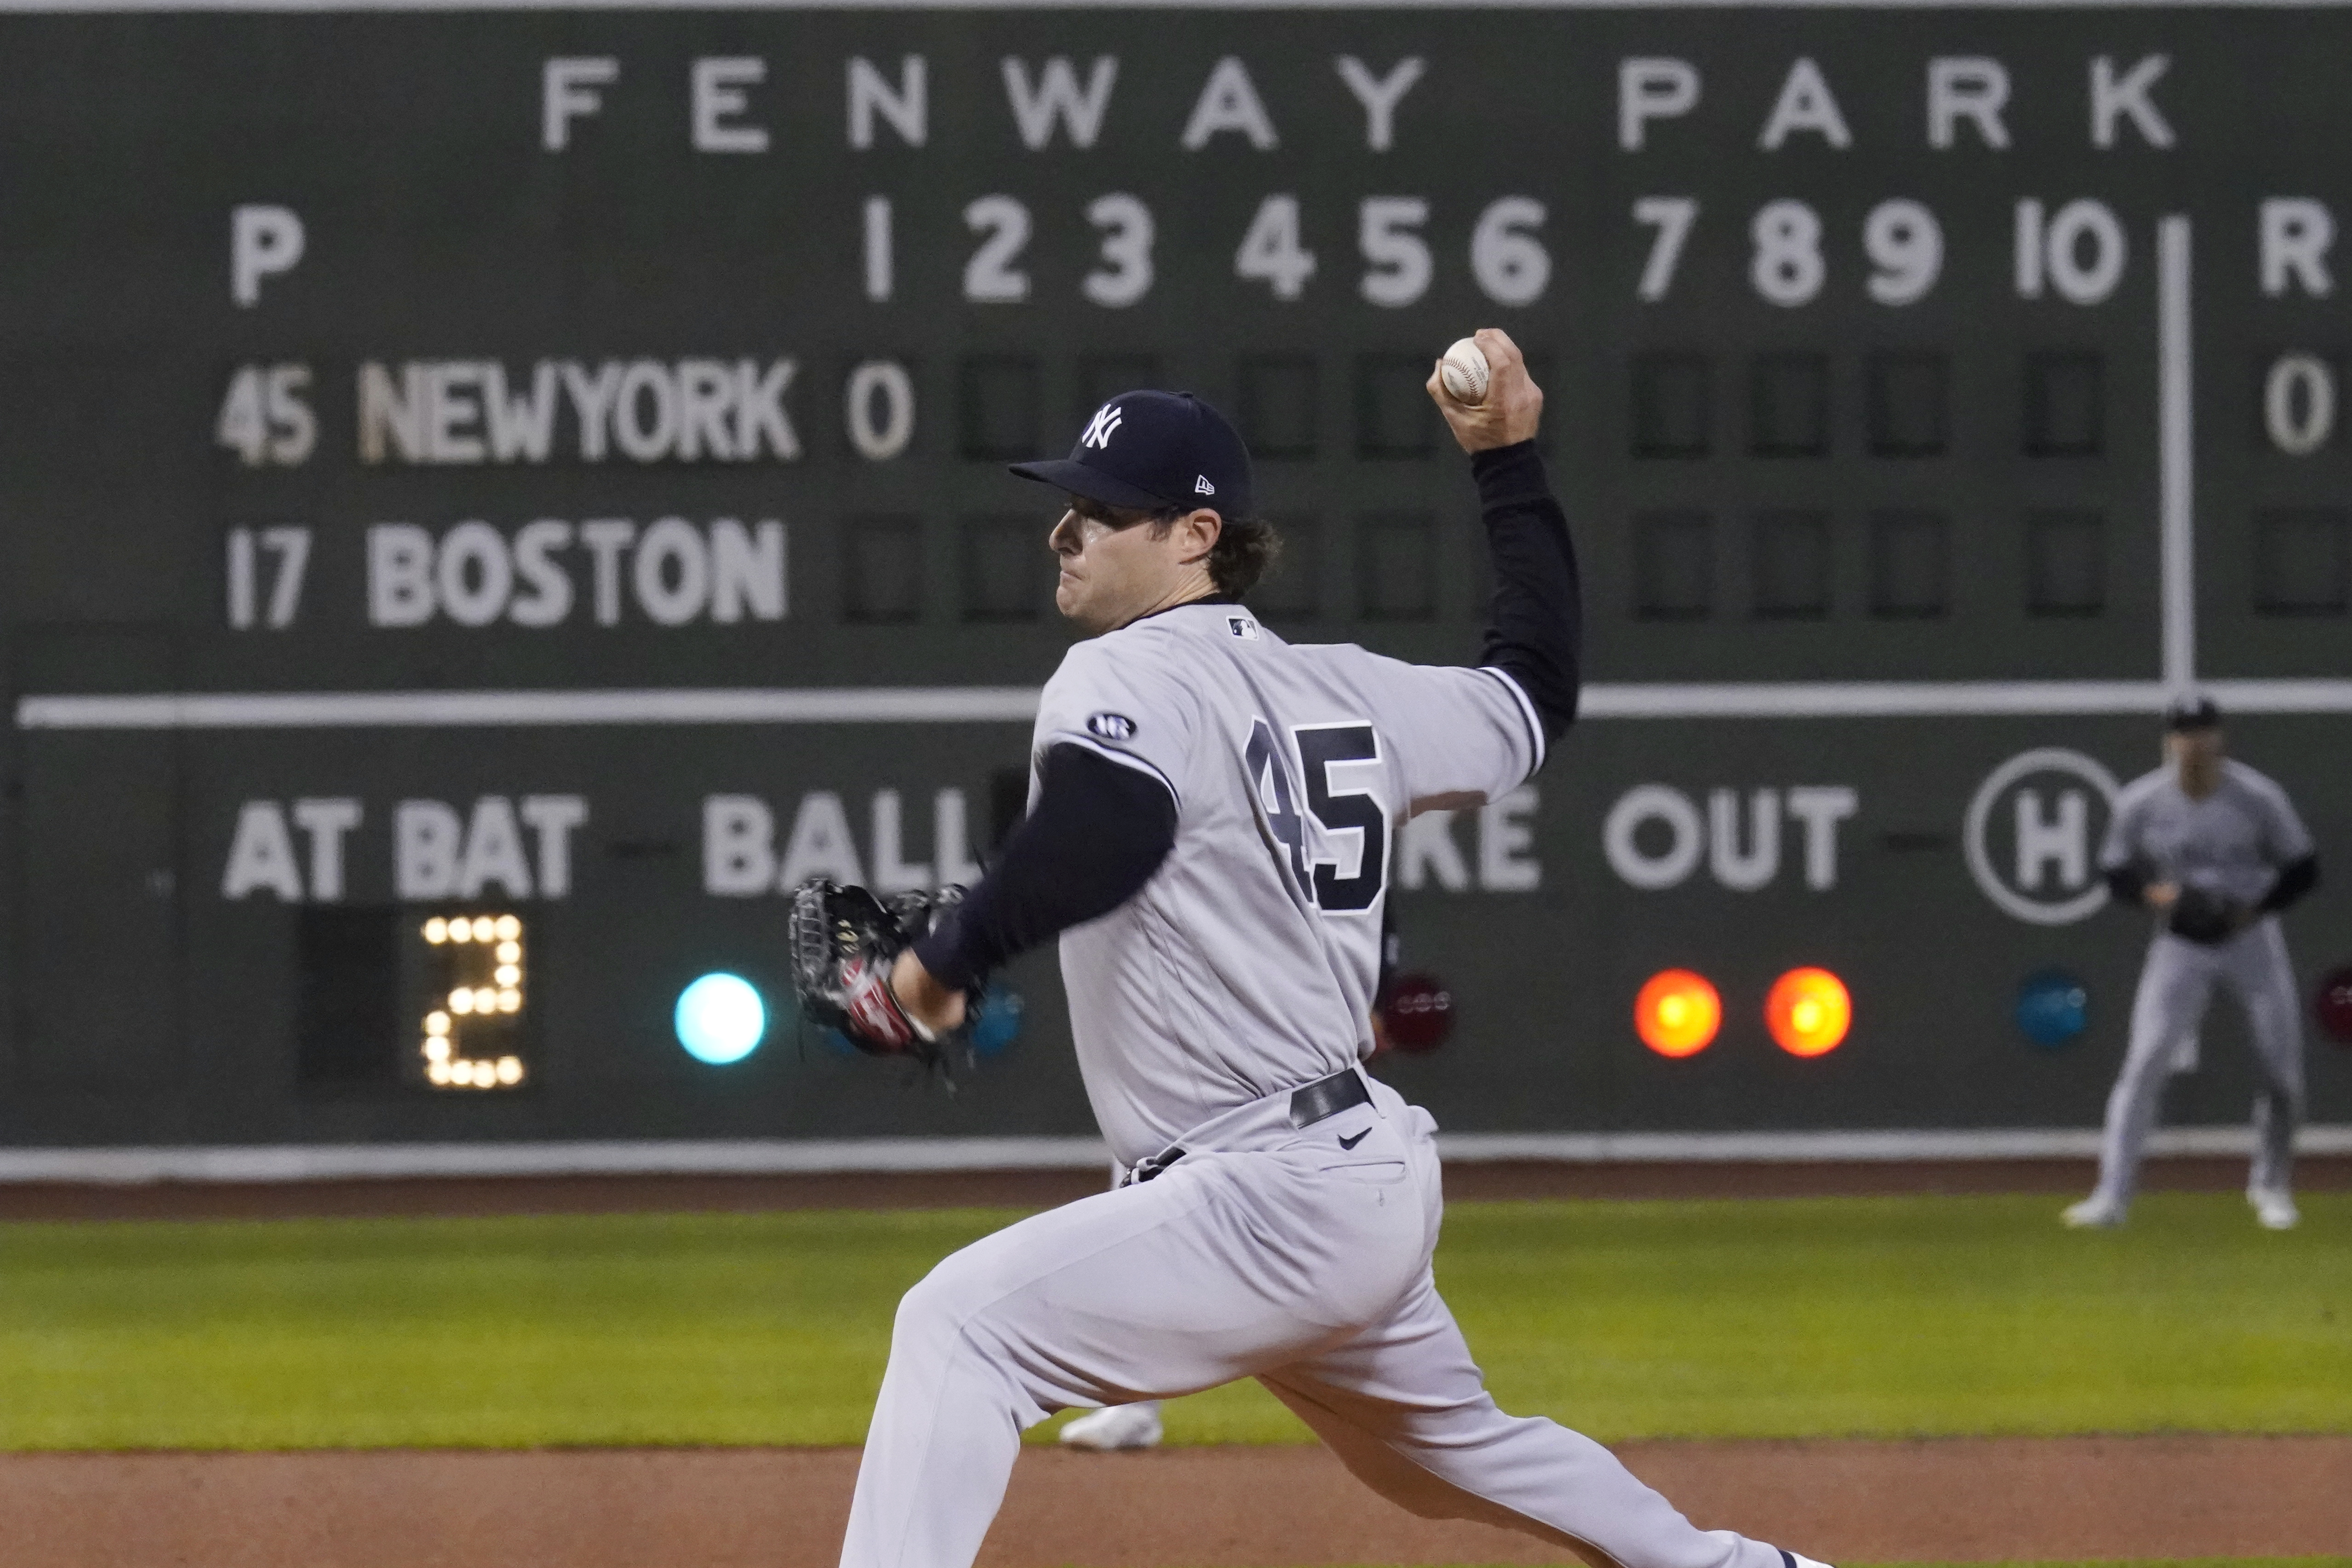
(2273, 1207)
(2093, 1214)
(1115, 1428)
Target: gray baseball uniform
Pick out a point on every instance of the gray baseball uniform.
(2230, 845)
(1219, 1015)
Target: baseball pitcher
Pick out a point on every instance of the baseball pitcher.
(2216, 849)
(1211, 815)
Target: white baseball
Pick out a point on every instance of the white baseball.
(1464, 371)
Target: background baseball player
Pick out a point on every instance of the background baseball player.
(2217, 850)
(1209, 834)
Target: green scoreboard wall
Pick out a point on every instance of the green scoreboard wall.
(547, 465)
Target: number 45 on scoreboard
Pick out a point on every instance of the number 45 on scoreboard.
(266, 419)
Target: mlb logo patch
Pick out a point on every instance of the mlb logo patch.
(1111, 727)
(1243, 628)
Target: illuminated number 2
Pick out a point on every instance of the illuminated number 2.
(485, 965)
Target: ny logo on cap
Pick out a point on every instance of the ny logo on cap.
(1106, 420)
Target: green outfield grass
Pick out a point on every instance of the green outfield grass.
(1627, 1320)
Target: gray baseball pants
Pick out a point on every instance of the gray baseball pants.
(1269, 1252)
(2176, 984)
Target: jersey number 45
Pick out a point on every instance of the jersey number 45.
(1338, 811)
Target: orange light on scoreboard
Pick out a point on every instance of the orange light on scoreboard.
(1676, 1013)
(1809, 1012)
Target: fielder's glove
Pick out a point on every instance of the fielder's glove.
(844, 941)
(2203, 918)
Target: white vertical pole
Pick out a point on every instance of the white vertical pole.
(2176, 454)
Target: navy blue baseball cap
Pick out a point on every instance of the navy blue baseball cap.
(1155, 450)
(2191, 710)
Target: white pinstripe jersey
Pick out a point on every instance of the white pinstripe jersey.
(1247, 963)
(2232, 844)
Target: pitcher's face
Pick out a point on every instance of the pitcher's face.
(1117, 564)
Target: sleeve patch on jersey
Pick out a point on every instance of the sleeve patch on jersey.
(1111, 727)
(1243, 628)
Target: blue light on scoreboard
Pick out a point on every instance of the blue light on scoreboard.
(2054, 1008)
(720, 1019)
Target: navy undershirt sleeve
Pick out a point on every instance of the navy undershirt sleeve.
(2125, 884)
(1098, 831)
(1535, 621)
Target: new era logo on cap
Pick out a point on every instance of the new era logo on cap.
(1172, 451)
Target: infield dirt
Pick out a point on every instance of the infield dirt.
(1945, 1500)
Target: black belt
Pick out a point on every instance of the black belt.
(1326, 1097)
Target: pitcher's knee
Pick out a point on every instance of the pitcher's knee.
(934, 1310)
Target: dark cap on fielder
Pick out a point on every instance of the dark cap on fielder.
(2191, 710)
(1154, 451)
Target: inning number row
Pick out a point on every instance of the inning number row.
(2077, 252)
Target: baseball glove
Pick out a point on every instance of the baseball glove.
(2203, 918)
(844, 941)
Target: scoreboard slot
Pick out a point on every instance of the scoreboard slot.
(1396, 566)
(1906, 403)
(882, 571)
(1789, 404)
(997, 408)
(2065, 404)
(1394, 417)
(391, 1000)
(1276, 404)
(2065, 563)
(1672, 413)
(1674, 565)
(1910, 565)
(1007, 574)
(1790, 573)
(2303, 560)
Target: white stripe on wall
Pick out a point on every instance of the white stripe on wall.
(1018, 704)
(350, 1162)
(2176, 455)
(439, 710)
(1018, 5)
